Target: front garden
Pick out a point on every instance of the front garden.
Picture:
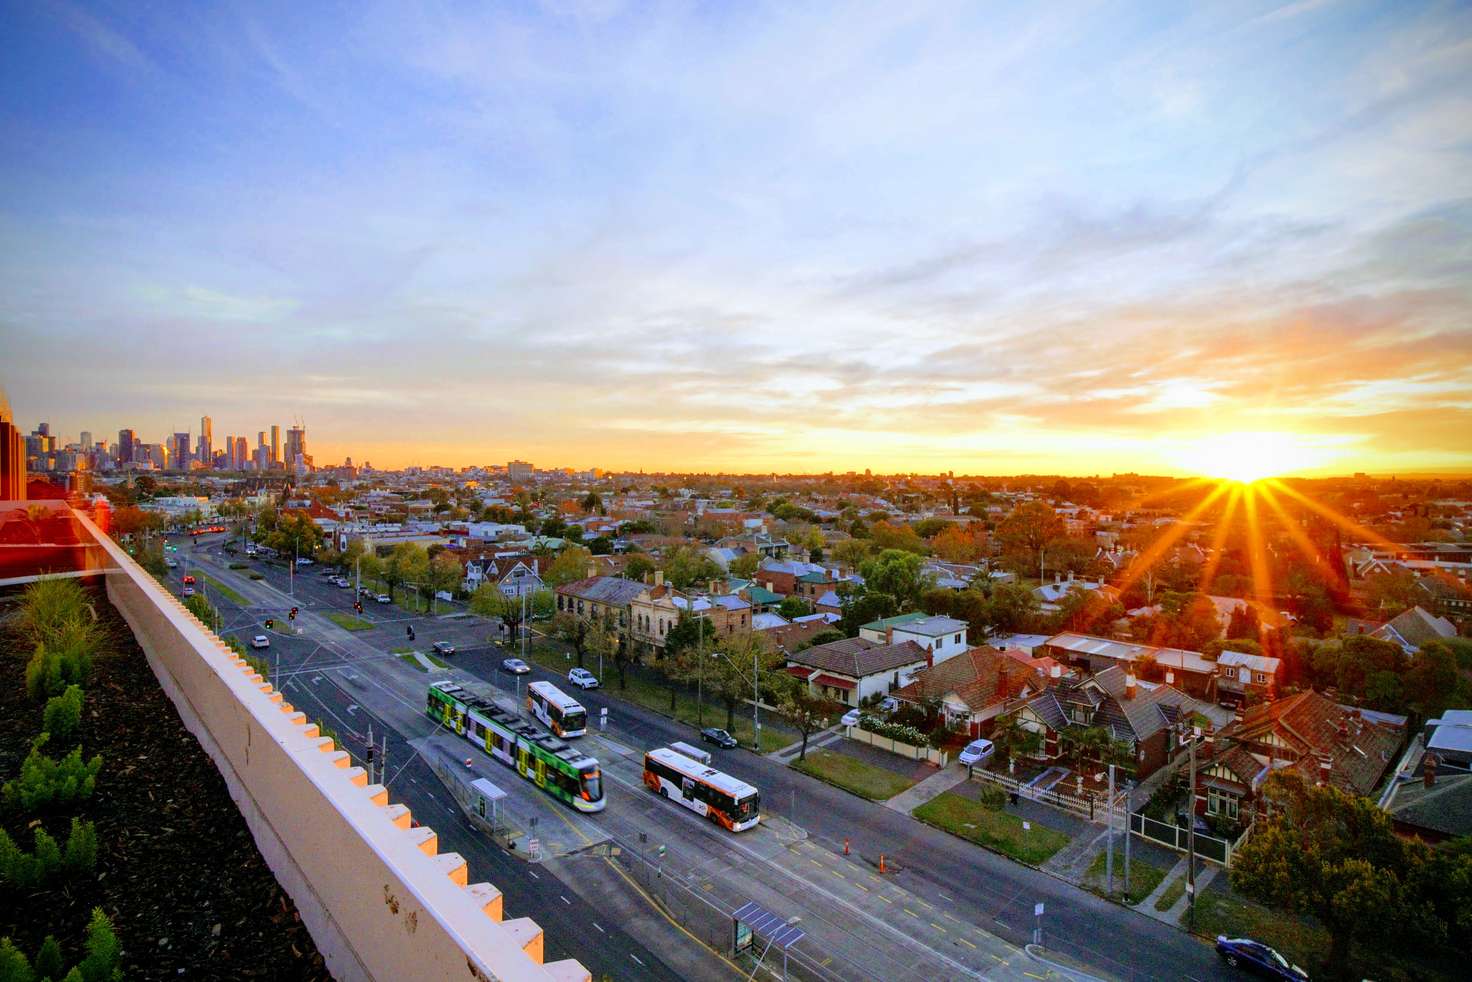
(852, 774)
(987, 823)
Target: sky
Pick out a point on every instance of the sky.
(990, 238)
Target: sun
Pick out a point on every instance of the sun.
(1247, 457)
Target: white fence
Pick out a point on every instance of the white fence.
(938, 757)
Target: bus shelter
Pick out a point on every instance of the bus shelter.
(752, 923)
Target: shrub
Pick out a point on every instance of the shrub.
(14, 967)
(81, 848)
(45, 781)
(993, 797)
(257, 576)
(103, 951)
(240, 565)
(894, 731)
(63, 714)
(48, 959)
(260, 666)
(50, 606)
(201, 608)
(28, 871)
(66, 660)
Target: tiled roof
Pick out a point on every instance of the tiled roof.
(1415, 628)
(1316, 728)
(979, 677)
(859, 656)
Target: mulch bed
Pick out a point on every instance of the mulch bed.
(177, 869)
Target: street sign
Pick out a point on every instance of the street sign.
(661, 851)
(1037, 909)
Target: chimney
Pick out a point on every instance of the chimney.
(1057, 578)
(1326, 766)
(889, 634)
(770, 587)
(1170, 677)
(713, 590)
(1428, 770)
(1129, 686)
(1070, 576)
(659, 578)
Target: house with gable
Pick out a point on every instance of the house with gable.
(1307, 734)
(974, 687)
(854, 669)
(942, 637)
(1413, 628)
(599, 598)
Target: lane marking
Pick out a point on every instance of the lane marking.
(884, 898)
(966, 943)
(945, 898)
(641, 963)
(564, 900)
(534, 874)
(599, 927)
(910, 912)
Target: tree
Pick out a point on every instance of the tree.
(852, 552)
(1244, 624)
(574, 630)
(488, 601)
(1010, 608)
(957, 544)
(1335, 856)
(1392, 593)
(603, 642)
(730, 672)
(406, 563)
(1024, 533)
(806, 711)
(745, 565)
(902, 537)
(1432, 683)
(638, 567)
(794, 606)
(445, 573)
(593, 501)
(897, 573)
(570, 565)
(685, 567)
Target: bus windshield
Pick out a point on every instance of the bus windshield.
(592, 784)
(747, 807)
(575, 720)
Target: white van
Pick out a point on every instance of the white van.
(694, 753)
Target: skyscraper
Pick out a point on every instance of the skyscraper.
(240, 456)
(127, 440)
(179, 451)
(296, 446)
(12, 456)
(206, 439)
(275, 445)
(87, 441)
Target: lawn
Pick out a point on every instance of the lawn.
(1172, 893)
(1144, 877)
(652, 695)
(852, 774)
(408, 659)
(348, 622)
(999, 831)
(224, 591)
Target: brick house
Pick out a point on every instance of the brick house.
(854, 669)
(1307, 734)
(973, 688)
(599, 598)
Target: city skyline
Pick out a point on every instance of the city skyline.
(1084, 239)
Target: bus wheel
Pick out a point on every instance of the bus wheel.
(664, 792)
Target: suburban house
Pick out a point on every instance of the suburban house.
(1188, 670)
(780, 575)
(599, 597)
(1414, 628)
(1142, 715)
(1050, 596)
(973, 687)
(653, 612)
(811, 586)
(854, 669)
(943, 637)
(514, 576)
(1241, 675)
(1435, 804)
(726, 612)
(1446, 597)
(1308, 734)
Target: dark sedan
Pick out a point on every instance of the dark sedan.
(1257, 958)
(718, 737)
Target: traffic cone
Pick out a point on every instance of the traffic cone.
(845, 845)
(881, 864)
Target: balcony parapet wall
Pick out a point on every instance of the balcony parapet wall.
(379, 898)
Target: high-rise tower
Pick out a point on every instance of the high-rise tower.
(275, 445)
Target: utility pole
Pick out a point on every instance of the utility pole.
(1191, 836)
(1109, 855)
(1127, 833)
(700, 677)
(370, 755)
(756, 705)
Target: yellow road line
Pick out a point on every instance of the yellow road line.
(839, 875)
(816, 863)
(862, 887)
(615, 867)
(884, 898)
(1044, 978)
(909, 911)
(938, 927)
(966, 943)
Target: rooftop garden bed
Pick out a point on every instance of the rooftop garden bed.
(168, 860)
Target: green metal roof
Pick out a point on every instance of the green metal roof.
(895, 621)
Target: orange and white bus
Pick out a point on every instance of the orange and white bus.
(730, 803)
(561, 713)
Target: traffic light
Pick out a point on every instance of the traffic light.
(358, 606)
(291, 616)
(270, 623)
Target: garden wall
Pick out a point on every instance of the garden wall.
(937, 757)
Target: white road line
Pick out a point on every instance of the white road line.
(637, 959)
(945, 898)
(599, 927)
(564, 900)
(534, 875)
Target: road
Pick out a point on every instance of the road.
(947, 874)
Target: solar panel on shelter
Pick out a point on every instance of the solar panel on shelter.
(768, 926)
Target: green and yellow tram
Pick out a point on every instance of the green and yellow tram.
(566, 774)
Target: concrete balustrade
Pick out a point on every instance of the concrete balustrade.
(379, 898)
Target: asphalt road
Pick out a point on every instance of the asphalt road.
(975, 884)
(573, 928)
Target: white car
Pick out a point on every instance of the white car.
(444, 595)
(342, 583)
(304, 561)
(582, 678)
(188, 591)
(384, 598)
(852, 717)
(260, 641)
(977, 752)
(250, 550)
(889, 704)
(171, 563)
